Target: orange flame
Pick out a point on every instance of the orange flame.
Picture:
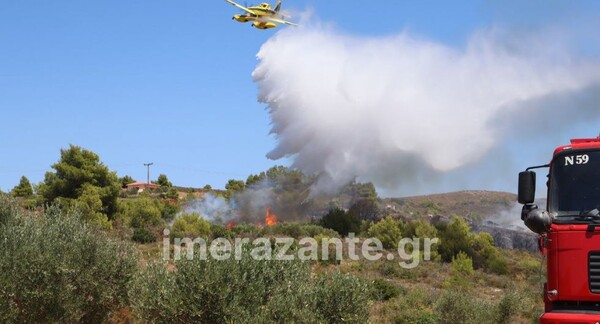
(270, 218)
(231, 224)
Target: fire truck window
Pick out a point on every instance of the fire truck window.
(575, 188)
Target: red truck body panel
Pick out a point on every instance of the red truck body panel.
(568, 250)
(579, 143)
(572, 318)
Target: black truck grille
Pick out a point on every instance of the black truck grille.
(594, 271)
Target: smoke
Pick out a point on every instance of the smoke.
(245, 206)
(215, 209)
(507, 218)
(413, 115)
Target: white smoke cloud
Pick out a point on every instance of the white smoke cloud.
(246, 206)
(213, 208)
(408, 113)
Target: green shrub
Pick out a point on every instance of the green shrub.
(486, 255)
(140, 212)
(54, 268)
(497, 265)
(455, 237)
(8, 209)
(462, 265)
(342, 298)
(341, 221)
(508, 307)
(394, 270)
(422, 229)
(294, 230)
(421, 316)
(457, 306)
(168, 211)
(217, 231)
(313, 230)
(297, 230)
(334, 254)
(132, 191)
(461, 272)
(89, 205)
(390, 269)
(246, 291)
(191, 225)
(413, 306)
(388, 231)
(383, 290)
(142, 235)
(431, 206)
(246, 230)
(154, 296)
(527, 264)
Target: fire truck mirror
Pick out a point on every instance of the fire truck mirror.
(526, 187)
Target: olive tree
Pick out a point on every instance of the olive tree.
(55, 268)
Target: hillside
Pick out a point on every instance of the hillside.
(486, 211)
(466, 281)
(475, 205)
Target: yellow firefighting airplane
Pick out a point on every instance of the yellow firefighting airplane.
(262, 16)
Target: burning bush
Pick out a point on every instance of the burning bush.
(270, 217)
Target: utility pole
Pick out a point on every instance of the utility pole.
(148, 166)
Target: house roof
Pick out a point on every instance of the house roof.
(139, 184)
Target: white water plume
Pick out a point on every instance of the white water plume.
(409, 113)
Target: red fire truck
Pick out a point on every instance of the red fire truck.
(569, 231)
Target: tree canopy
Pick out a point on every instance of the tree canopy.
(126, 180)
(23, 189)
(163, 181)
(76, 171)
(341, 221)
(234, 186)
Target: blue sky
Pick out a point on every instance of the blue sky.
(169, 82)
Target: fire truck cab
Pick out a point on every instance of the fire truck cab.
(569, 230)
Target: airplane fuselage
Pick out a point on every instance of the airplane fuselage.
(256, 21)
(261, 16)
(261, 12)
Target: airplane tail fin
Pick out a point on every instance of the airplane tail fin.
(278, 6)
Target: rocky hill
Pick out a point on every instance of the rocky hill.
(497, 213)
(473, 205)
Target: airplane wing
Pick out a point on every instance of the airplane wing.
(240, 6)
(281, 21)
(283, 14)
